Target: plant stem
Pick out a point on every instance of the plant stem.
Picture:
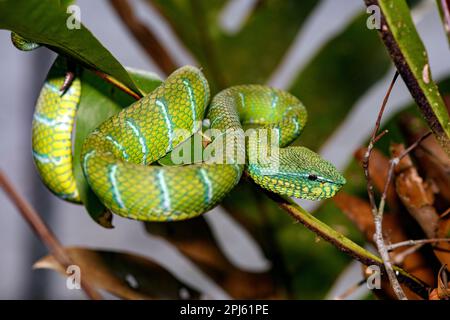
(444, 10)
(377, 212)
(416, 242)
(409, 55)
(43, 232)
(117, 84)
(342, 243)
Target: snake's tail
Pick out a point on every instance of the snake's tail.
(23, 44)
(52, 133)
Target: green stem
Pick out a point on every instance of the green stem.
(343, 243)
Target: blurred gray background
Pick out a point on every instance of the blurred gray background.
(22, 75)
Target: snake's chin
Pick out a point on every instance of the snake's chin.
(320, 191)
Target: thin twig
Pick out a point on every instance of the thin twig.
(117, 84)
(445, 12)
(378, 211)
(341, 242)
(43, 232)
(392, 163)
(379, 136)
(373, 139)
(414, 145)
(429, 103)
(146, 38)
(378, 217)
(415, 242)
(400, 257)
(444, 214)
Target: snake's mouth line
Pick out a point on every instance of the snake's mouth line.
(333, 182)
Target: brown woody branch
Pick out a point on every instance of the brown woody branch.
(409, 78)
(342, 243)
(43, 232)
(377, 212)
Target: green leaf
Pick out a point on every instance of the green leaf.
(125, 275)
(45, 22)
(410, 57)
(99, 101)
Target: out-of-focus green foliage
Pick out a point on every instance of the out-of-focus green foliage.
(248, 56)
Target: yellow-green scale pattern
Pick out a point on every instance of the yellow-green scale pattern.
(52, 133)
(118, 158)
(299, 172)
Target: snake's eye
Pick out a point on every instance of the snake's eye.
(312, 177)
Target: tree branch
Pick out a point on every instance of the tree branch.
(408, 53)
(117, 84)
(377, 212)
(43, 232)
(341, 242)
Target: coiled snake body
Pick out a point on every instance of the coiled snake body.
(118, 158)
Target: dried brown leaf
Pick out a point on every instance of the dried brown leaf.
(125, 275)
(416, 195)
(359, 212)
(442, 249)
(431, 158)
(443, 289)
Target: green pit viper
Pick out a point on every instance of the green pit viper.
(119, 158)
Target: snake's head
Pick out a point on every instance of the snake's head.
(301, 173)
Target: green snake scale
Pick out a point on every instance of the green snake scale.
(119, 158)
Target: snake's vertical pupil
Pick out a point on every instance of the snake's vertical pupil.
(312, 177)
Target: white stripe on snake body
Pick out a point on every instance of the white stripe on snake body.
(115, 187)
(162, 104)
(164, 192)
(141, 139)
